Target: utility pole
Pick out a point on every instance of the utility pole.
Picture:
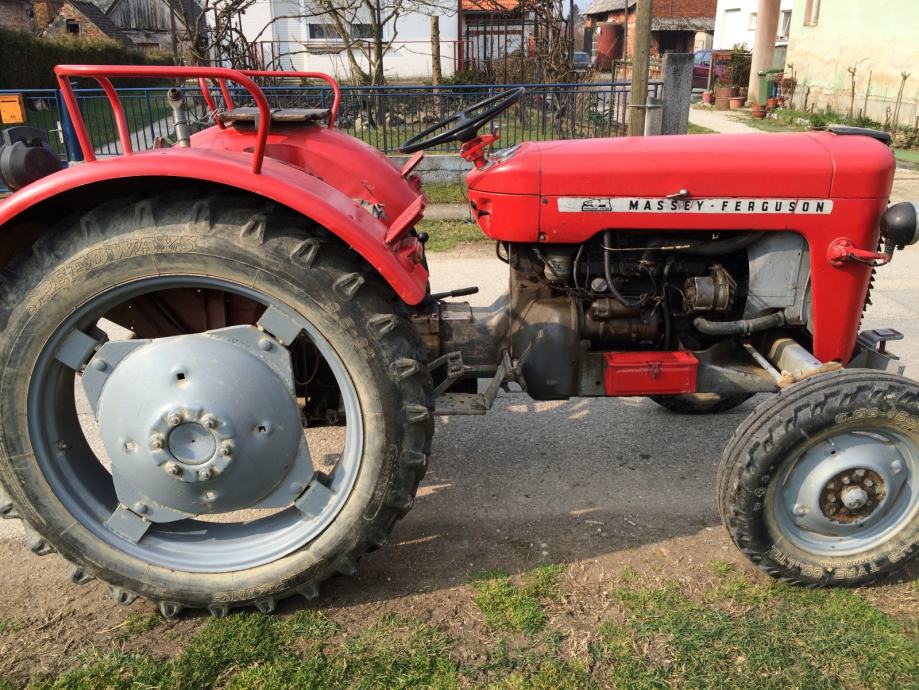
(641, 58)
(436, 71)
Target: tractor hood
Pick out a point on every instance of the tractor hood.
(797, 165)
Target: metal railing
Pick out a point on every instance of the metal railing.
(383, 117)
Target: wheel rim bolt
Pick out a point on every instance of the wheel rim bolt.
(846, 480)
(800, 509)
(831, 498)
(831, 486)
(868, 483)
(209, 422)
(204, 474)
(225, 449)
(173, 419)
(859, 473)
(173, 470)
(157, 442)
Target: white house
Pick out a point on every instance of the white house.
(735, 23)
(295, 40)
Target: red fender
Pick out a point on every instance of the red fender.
(399, 265)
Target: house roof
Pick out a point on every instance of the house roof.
(604, 6)
(183, 8)
(490, 5)
(101, 20)
(682, 24)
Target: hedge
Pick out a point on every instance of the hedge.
(27, 61)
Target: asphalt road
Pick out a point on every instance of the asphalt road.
(569, 481)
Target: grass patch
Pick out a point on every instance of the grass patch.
(699, 129)
(743, 635)
(447, 234)
(518, 608)
(907, 156)
(446, 193)
(137, 623)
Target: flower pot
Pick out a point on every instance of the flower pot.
(707, 97)
(758, 111)
(772, 103)
(736, 102)
(723, 97)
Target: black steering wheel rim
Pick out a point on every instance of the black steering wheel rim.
(467, 122)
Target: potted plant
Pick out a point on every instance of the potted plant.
(737, 102)
(723, 93)
(707, 97)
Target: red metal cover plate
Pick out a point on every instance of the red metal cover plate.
(649, 373)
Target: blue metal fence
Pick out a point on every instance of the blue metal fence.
(384, 117)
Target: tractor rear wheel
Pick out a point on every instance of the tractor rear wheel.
(700, 403)
(820, 485)
(158, 360)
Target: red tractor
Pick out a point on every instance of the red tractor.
(222, 362)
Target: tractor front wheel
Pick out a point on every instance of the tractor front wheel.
(160, 358)
(820, 485)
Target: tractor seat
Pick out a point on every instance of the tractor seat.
(292, 115)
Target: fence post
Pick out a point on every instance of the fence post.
(71, 143)
(677, 91)
(150, 117)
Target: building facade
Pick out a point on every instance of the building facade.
(879, 40)
(735, 23)
(285, 35)
(677, 26)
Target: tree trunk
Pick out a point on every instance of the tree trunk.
(436, 70)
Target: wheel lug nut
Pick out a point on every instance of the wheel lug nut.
(173, 470)
(869, 483)
(859, 473)
(225, 449)
(173, 419)
(800, 509)
(831, 498)
(157, 442)
(204, 474)
(209, 422)
(831, 486)
(846, 480)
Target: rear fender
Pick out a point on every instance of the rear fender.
(283, 184)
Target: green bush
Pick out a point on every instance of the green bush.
(27, 61)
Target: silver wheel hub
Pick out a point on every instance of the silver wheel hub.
(846, 492)
(203, 423)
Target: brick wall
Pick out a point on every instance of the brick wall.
(14, 14)
(685, 8)
(58, 27)
(45, 12)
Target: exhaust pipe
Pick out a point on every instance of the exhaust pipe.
(176, 100)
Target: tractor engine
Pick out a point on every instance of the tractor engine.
(619, 291)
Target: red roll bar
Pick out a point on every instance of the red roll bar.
(103, 73)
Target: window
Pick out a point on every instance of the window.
(784, 25)
(73, 26)
(361, 31)
(751, 23)
(323, 32)
(811, 12)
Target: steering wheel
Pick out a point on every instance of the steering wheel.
(465, 125)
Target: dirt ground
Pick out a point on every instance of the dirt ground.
(596, 485)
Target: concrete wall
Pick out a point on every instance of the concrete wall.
(733, 25)
(879, 37)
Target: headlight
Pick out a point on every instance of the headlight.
(900, 223)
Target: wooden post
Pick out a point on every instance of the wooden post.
(436, 70)
(641, 58)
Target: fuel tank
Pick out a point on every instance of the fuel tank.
(576, 188)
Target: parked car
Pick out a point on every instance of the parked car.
(702, 65)
(581, 62)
